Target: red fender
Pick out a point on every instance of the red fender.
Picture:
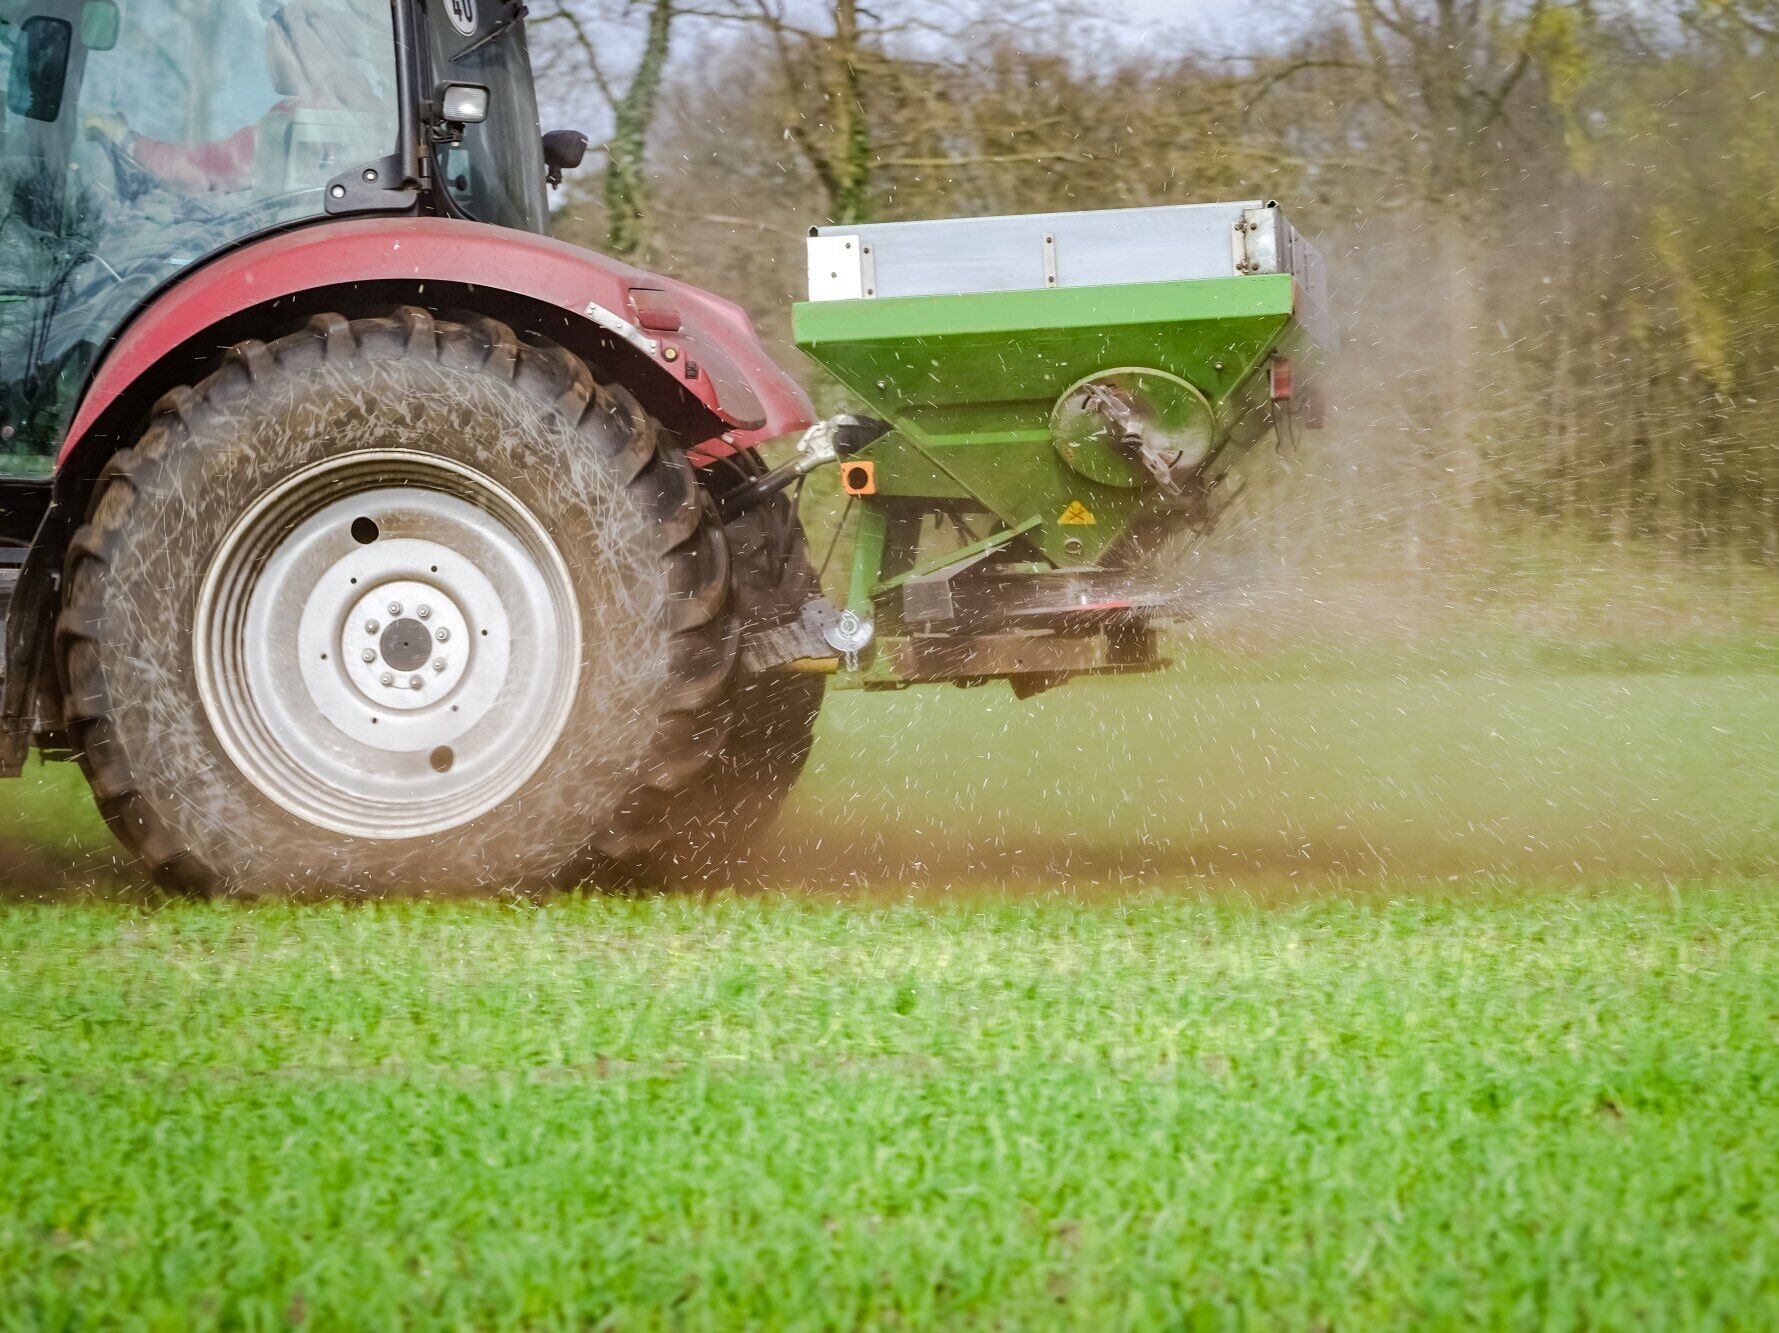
(702, 342)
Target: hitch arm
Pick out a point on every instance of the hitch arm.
(823, 443)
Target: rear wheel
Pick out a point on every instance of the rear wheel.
(395, 603)
(767, 717)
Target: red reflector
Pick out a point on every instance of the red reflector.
(1281, 379)
(654, 310)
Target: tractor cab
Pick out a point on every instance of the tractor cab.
(140, 137)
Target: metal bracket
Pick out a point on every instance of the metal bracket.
(1254, 243)
(818, 444)
(868, 269)
(622, 327)
(369, 188)
(842, 267)
(982, 546)
(766, 649)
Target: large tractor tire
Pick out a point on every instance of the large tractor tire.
(767, 717)
(393, 604)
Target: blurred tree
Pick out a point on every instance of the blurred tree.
(630, 102)
(1551, 225)
(823, 68)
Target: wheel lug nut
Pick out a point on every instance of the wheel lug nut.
(369, 654)
(395, 608)
(442, 634)
(371, 627)
(423, 611)
(414, 682)
(387, 678)
(439, 664)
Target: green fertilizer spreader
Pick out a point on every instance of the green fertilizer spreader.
(1051, 396)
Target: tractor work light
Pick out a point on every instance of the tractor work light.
(463, 103)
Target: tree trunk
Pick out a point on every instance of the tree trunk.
(626, 170)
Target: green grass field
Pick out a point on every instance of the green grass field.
(1308, 989)
(1166, 1110)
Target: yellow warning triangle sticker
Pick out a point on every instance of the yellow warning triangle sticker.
(1077, 515)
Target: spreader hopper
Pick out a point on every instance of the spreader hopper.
(1058, 388)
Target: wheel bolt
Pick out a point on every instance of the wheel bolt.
(423, 611)
(387, 678)
(371, 627)
(439, 664)
(395, 608)
(369, 654)
(414, 682)
(442, 634)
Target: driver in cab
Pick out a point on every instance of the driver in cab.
(315, 61)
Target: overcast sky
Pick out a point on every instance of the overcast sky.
(1217, 23)
(1165, 13)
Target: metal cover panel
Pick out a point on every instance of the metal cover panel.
(1033, 251)
(835, 273)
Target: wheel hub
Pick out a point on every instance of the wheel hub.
(388, 644)
(410, 661)
(406, 645)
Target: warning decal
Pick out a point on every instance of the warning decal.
(1077, 515)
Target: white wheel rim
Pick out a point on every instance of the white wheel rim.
(388, 644)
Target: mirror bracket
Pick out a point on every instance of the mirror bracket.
(373, 187)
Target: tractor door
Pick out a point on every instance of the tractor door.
(139, 137)
(495, 172)
(42, 54)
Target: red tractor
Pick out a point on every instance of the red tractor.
(353, 532)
